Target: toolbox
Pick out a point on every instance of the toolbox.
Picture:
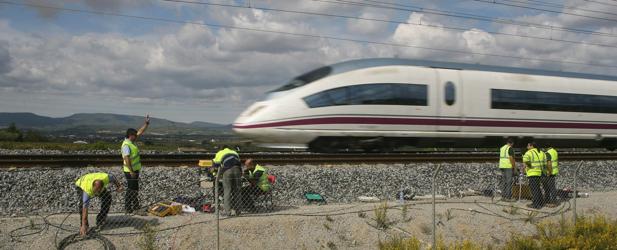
(165, 208)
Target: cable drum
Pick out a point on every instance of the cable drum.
(75, 238)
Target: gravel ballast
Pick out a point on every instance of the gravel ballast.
(46, 190)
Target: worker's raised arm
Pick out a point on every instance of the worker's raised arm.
(144, 127)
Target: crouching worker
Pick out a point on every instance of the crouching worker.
(258, 178)
(93, 185)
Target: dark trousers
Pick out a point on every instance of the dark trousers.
(536, 191)
(550, 189)
(131, 198)
(105, 197)
(249, 193)
(506, 183)
(231, 189)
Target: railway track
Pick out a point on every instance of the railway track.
(68, 160)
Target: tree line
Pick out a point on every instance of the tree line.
(12, 133)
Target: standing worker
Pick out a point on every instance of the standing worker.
(551, 175)
(534, 161)
(132, 167)
(507, 166)
(228, 163)
(93, 185)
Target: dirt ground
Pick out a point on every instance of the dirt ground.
(331, 226)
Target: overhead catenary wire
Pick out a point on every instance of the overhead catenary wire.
(409, 8)
(560, 6)
(545, 10)
(316, 36)
(386, 21)
(603, 3)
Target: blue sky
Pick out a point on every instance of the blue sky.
(59, 62)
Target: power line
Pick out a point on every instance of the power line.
(604, 3)
(540, 9)
(300, 34)
(387, 21)
(410, 8)
(554, 5)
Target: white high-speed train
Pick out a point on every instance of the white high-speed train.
(380, 104)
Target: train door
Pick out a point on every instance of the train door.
(449, 99)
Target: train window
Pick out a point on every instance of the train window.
(333, 97)
(371, 94)
(450, 93)
(551, 101)
(306, 79)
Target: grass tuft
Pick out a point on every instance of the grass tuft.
(589, 233)
(449, 214)
(331, 245)
(381, 216)
(425, 228)
(328, 218)
(148, 238)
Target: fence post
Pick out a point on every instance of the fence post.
(575, 191)
(434, 216)
(216, 205)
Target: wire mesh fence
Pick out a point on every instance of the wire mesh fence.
(435, 203)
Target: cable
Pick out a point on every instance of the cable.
(540, 9)
(410, 8)
(554, 5)
(107, 244)
(598, 2)
(386, 21)
(74, 238)
(308, 35)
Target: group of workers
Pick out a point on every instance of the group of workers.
(227, 167)
(226, 163)
(541, 169)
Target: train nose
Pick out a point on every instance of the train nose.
(247, 119)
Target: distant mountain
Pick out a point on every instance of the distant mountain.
(27, 120)
(207, 125)
(98, 121)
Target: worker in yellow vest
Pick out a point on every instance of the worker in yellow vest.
(132, 168)
(228, 167)
(93, 185)
(552, 160)
(535, 162)
(507, 166)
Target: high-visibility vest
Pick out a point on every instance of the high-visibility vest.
(537, 160)
(86, 182)
(554, 162)
(263, 182)
(134, 156)
(504, 157)
(222, 156)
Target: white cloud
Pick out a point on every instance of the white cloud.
(368, 27)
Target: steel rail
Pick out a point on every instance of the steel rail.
(73, 160)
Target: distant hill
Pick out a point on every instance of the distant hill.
(99, 121)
